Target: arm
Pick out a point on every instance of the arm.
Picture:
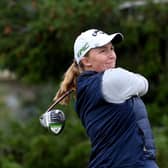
(119, 85)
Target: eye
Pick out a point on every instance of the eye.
(102, 50)
(112, 48)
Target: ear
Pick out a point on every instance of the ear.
(86, 62)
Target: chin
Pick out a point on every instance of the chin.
(113, 66)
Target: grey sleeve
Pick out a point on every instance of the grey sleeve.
(119, 85)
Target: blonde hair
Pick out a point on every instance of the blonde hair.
(68, 83)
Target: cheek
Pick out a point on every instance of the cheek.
(99, 63)
(99, 66)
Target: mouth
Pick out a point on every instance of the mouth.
(109, 65)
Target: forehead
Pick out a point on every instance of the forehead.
(104, 46)
(97, 49)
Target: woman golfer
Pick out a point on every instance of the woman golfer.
(108, 102)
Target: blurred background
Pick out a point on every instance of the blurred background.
(36, 48)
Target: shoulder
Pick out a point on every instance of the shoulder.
(116, 72)
(116, 75)
(119, 84)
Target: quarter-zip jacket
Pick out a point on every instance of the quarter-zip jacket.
(115, 136)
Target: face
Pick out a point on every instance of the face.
(100, 59)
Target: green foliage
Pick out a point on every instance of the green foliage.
(36, 42)
(38, 37)
(8, 163)
(24, 143)
(162, 144)
(30, 145)
(81, 150)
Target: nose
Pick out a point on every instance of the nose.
(112, 54)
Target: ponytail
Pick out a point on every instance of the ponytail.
(68, 83)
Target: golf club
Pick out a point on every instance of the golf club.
(54, 119)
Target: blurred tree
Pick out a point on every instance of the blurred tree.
(37, 39)
(36, 42)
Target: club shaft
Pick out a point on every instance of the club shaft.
(59, 99)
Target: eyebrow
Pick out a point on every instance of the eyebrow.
(102, 47)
